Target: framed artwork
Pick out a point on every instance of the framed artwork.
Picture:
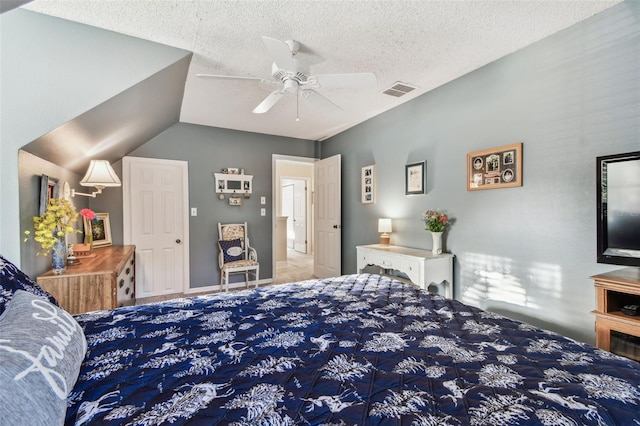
(415, 178)
(494, 168)
(49, 189)
(368, 181)
(100, 229)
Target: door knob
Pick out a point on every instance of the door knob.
(178, 240)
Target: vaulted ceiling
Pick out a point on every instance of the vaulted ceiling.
(424, 44)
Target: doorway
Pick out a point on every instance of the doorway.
(293, 218)
(293, 204)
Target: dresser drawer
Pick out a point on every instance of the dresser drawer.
(385, 261)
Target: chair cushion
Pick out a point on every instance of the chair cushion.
(231, 250)
(240, 263)
(13, 279)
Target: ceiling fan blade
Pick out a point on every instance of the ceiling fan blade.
(280, 53)
(340, 81)
(234, 77)
(316, 100)
(268, 102)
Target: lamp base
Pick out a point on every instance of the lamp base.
(384, 239)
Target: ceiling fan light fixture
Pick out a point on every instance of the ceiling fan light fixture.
(294, 75)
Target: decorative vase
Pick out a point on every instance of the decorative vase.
(59, 257)
(88, 239)
(437, 242)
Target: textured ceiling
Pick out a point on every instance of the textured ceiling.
(423, 43)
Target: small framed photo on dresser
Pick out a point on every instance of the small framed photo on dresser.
(100, 229)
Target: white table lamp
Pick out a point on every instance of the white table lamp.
(384, 226)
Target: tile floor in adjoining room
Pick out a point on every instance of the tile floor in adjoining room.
(297, 267)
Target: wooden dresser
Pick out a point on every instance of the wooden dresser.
(615, 331)
(105, 281)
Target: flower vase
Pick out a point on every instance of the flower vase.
(437, 242)
(89, 240)
(59, 257)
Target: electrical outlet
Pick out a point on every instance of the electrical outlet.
(263, 212)
(263, 200)
(194, 211)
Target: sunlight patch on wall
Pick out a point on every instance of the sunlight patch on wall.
(486, 279)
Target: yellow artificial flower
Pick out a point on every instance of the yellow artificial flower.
(53, 225)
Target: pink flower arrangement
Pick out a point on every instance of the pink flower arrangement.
(435, 221)
(89, 215)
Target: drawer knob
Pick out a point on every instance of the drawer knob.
(121, 283)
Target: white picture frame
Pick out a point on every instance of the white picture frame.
(368, 184)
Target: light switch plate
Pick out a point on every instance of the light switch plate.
(263, 212)
(194, 211)
(263, 200)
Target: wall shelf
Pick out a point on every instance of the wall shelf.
(228, 183)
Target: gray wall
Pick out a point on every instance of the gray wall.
(526, 252)
(31, 169)
(51, 71)
(209, 150)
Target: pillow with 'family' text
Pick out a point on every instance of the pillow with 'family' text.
(12, 279)
(231, 250)
(41, 349)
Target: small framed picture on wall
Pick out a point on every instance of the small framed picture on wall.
(415, 178)
(368, 181)
(49, 189)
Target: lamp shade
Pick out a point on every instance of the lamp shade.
(100, 175)
(384, 225)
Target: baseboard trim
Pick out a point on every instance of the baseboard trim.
(216, 288)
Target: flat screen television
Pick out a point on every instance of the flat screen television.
(618, 198)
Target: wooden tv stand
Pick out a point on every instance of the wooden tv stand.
(614, 290)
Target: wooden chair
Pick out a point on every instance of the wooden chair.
(236, 254)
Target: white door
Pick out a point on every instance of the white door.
(300, 216)
(327, 192)
(155, 200)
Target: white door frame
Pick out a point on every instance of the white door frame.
(274, 183)
(126, 206)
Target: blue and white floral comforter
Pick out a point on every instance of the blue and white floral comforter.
(353, 350)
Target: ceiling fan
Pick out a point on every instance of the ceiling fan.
(292, 74)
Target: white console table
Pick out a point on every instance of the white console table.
(421, 266)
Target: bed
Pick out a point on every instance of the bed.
(351, 350)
